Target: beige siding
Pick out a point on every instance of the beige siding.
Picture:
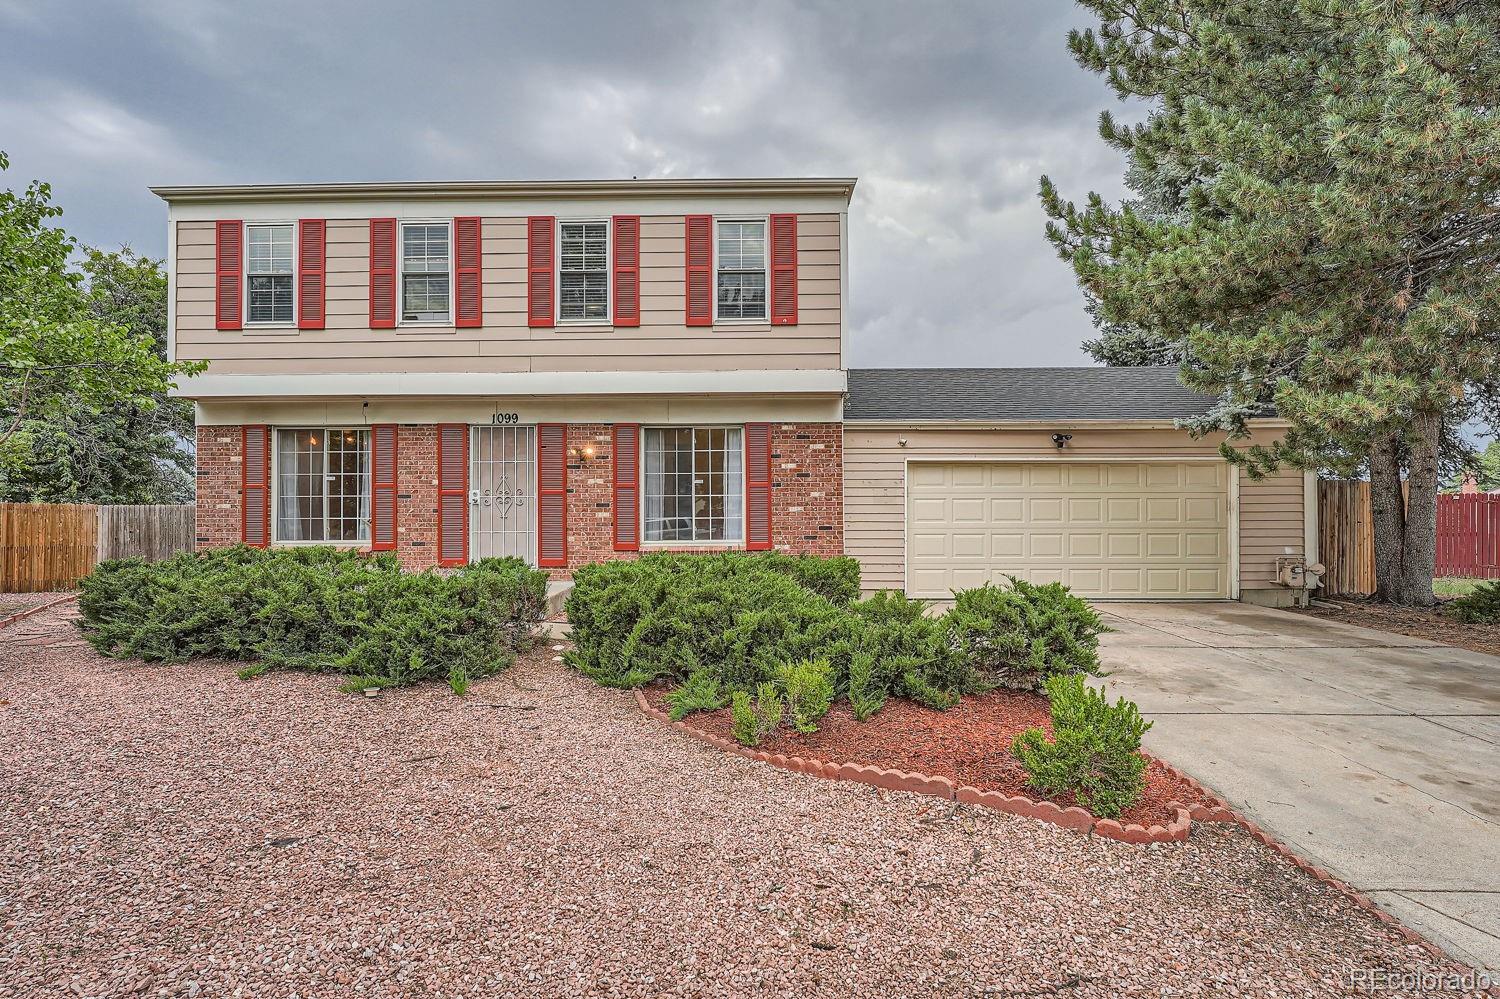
(505, 343)
(1271, 517)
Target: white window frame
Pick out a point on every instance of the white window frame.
(728, 543)
(765, 222)
(609, 272)
(401, 225)
(274, 490)
(246, 275)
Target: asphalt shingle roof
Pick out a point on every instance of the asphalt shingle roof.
(1020, 394)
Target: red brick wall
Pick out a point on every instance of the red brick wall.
(218, 480)
(806, 501)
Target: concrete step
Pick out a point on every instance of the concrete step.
(557, 596)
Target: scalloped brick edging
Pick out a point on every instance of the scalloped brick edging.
(6, 622)
(1073, 817)
(1214, 809)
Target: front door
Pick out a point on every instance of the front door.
(502, 493)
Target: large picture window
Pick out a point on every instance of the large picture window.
(425, 272)
(741, 266)
(583, 271)
(323, 485)
(695, 484)
(268, 274)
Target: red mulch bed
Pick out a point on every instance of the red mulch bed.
(968, 744)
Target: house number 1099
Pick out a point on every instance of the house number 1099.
(505, 418)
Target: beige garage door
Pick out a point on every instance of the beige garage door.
(1149, 530)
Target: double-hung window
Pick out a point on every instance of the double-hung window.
(741, 265)
(695, 484)
(426, 280)
(323, 485)
(269, 274)
(583, 271)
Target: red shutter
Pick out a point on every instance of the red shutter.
(552, 495)
(468, 272)
(382, 274)
(312, 270)
(229, 274)
(541, 234)
(383, 487)
(627, 499)
(783, 270)
(700, 270)
(453, 494)
(757, 487)
(627, 240)
(255, 485)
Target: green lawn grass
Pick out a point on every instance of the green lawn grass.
(1452, 587)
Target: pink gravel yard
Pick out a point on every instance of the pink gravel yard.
(170, 830)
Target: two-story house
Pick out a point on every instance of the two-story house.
(582, 370)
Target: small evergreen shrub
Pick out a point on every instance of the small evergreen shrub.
(701, 691)
(1021, 635)
(1480, 605)
(867, 693)
(754, 719)
(315, 608)
(1094, 753)
(808, 686)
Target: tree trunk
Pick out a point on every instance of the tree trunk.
(1419, 548)
(1388, 515)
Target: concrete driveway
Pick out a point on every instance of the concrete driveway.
(1374, 755)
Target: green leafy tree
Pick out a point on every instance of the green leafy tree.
(1337, 249)
(1485, 467)
(83, 371)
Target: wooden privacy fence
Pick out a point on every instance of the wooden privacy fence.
(1346, 538)
(1468, 537)
(51, 546)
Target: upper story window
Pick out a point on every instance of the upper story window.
(583, 271)
(426, 285)
(741, 264)
(268, 274)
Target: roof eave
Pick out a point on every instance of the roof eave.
(842, 187)
(1042, 423)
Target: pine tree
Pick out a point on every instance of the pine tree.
(1338, 254)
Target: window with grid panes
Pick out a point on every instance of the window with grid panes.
(425, 272)
(583, 270)
(694, 484)
(269, 274)
(323, 485)
(740, 260)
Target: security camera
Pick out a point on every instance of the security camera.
(1061, 440)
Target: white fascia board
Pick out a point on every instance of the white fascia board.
(513, 383)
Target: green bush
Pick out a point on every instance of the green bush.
(316, 608)
(754, 719)
(1021, 635)
(866, 693)
(743, 617)
(1480, 605)
(700, 692)
(1094, 753)
(808, 686)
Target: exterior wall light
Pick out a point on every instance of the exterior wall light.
(1061, 440)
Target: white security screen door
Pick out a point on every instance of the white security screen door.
(502, 493)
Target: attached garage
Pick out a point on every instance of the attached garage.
(1145, 529)
(958, 477)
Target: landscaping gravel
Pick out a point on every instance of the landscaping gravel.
(171, 830)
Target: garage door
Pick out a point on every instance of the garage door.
(1149, 530)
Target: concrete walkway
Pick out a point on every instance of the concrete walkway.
(1374, 755)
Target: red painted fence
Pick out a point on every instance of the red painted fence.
(1468, 535)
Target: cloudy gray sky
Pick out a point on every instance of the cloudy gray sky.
(947, 112)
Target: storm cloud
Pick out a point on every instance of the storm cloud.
(947, 113)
